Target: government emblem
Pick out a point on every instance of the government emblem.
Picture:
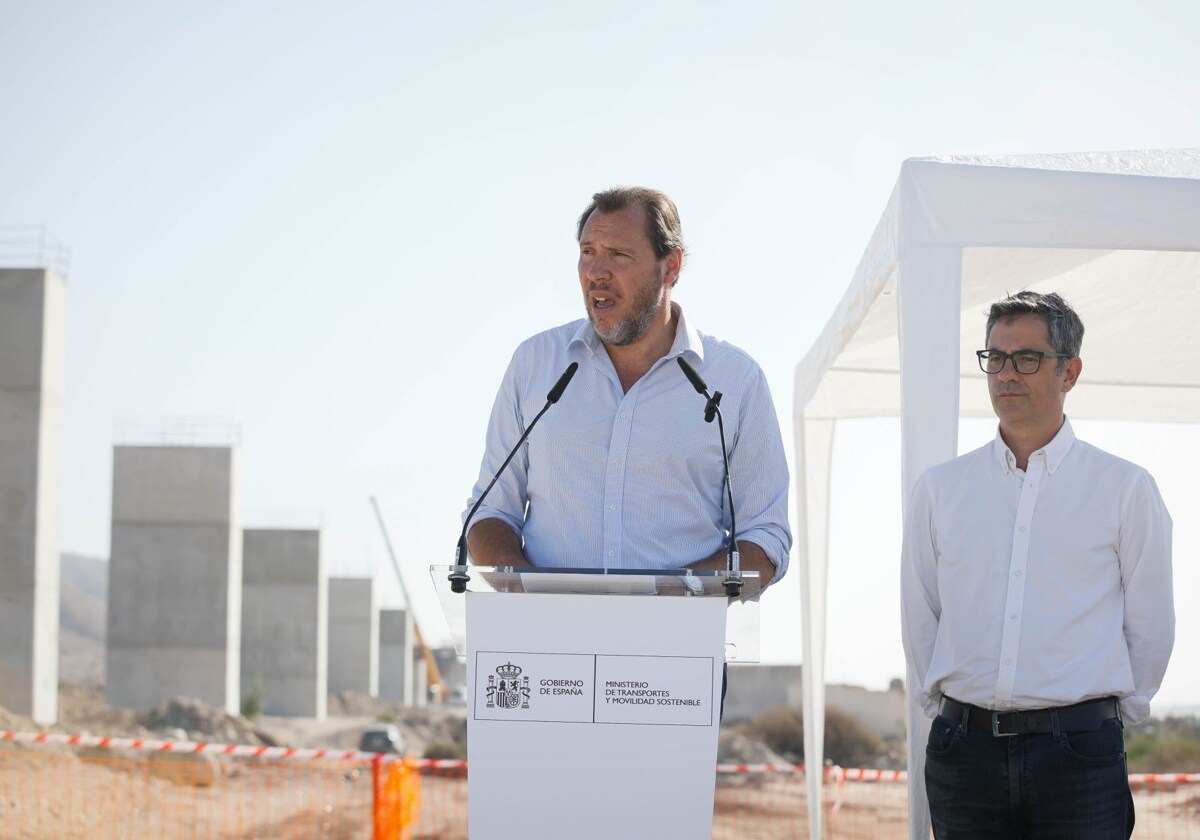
(507, 688)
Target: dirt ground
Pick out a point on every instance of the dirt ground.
(50, 792)
(54, 792)
(82, 711)
(48, 795)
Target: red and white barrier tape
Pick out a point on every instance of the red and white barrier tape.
(760, 768)
(241, 750)
(847, 774)
(1151, 779)
(841, 775)
(838, 774)
(834, 773)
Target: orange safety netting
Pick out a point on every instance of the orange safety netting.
(397, 798)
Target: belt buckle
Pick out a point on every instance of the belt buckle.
(996, 733)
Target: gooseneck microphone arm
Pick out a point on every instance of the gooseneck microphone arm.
(458, 576)
(733, 583)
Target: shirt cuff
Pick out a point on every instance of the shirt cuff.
(1135, 708)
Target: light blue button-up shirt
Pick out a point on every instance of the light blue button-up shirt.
(616, 480)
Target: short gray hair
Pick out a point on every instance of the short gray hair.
(1063, 324)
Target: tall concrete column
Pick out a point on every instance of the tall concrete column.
(285, 620)
(353, 636)
(32, 333)
(421, 685)
(396, 656)
(175, 577)
(453, 673)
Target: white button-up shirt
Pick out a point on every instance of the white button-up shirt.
(625, 480)
(1036, 588)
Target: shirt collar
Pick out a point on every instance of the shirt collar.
(586, 337)
(687, 339)
(1053, 452)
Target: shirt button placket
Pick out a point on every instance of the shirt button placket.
(614, 484)
(1018, 563)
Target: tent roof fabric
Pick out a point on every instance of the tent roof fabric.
(1048, 222)
(1116, 233)
(1173, 163)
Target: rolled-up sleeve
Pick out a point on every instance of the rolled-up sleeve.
(506, 424)
(759, 474)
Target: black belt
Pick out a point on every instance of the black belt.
(1081, 717)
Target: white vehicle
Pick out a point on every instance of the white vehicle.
(382, 739)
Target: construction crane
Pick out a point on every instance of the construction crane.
(433, 675)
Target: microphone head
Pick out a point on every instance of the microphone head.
(561, 384)
(692, 376)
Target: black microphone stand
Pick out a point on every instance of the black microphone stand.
(458, 576)
(712, 408)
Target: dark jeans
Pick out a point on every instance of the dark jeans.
(1056, 786)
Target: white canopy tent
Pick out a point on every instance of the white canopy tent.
(1117, 234)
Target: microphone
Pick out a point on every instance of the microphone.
(561, 385)
(712, 408)
(693, 377)
(458, 576)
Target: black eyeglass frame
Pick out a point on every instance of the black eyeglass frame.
(1005, 358)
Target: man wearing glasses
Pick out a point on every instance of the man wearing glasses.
(1037, 606)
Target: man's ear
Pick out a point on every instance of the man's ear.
(1071, 373)
(674, 265)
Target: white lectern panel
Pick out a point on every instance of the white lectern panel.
(592, 716)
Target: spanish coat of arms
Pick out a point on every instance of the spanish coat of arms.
(511, 690)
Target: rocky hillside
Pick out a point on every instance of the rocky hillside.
(82, 614)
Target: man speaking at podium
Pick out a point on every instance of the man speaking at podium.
(623, 472)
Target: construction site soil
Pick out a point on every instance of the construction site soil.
(82, 711)
(58, 792)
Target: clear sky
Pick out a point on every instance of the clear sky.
(331, 223)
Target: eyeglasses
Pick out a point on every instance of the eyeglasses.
(1025, 362)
